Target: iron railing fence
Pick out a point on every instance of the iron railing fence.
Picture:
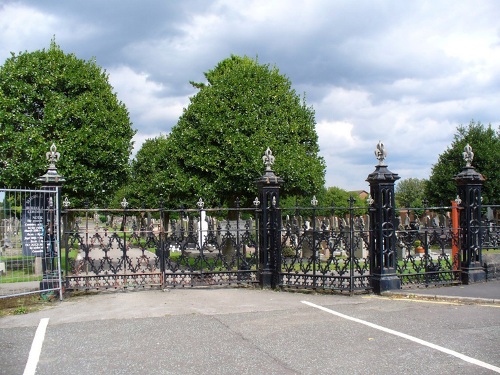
(490, 227)
(212, 246)
(325, 248)
(332, 251)
(320, 247)
(428, 248)
(157, 247)
(490, 240)
(108, 248)
(30, 259)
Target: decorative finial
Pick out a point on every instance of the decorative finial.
(66, 203)
(468, 155)
(256, 202)
(124, 203)
(53, 156)
(52, 177)
(314, 201)
(380, 153)
(370, 200)
(200, 204)
(268, 159)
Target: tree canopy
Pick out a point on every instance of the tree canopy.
(410, 192)
(48, 97)
(485, 143)
(154, 176)
(215, 150)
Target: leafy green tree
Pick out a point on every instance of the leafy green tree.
(327, 199)
(221, 137)
(410, 192)
(155, 177)
(48, 97)
(485, 143)
(340, 199)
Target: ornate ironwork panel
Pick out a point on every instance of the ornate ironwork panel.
(112, 248)
(168, 248)
(203, 249)
(326, 252)
(490, 224)
(427, 247)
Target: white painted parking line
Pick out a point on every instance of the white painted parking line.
(36, 347)
(408, 337)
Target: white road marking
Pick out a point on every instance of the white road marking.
(36, 347)
(408, 337)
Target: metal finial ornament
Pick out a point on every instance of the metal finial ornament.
(380, 153)
(256, 202)
(124, 203)
(53, 156)
(52, 176)
(314, 201)
(66, 203)
(370, 200)
(268, 159)
(468, 155)
(200, 204)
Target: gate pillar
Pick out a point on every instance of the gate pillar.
(383, 261)
(469, 185)
(52, 180)
(270, 224)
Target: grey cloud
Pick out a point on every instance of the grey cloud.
(391, 59)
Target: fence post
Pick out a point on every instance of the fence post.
(469, 185)
(52, 180)
(454, 239)
(383, 260)
(270, 225)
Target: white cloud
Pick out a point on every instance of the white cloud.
(150, 109)
(22, 28)
(406, 73)
(27, 28)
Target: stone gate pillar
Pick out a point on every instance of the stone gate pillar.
(469, 185)
(269, 225)
(383, 261)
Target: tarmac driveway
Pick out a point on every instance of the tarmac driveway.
(250, 331)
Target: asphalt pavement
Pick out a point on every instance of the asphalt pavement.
(253, 331)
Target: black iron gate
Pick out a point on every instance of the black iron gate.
(132, 248)
(207, 247)
(111, 248)
(325, 252)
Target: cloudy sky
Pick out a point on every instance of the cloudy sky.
(403, 72)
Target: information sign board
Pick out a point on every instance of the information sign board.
(33, 225)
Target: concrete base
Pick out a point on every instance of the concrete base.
(49, 283)
(266, 279)
(473, 275)
(384, 283)
(491, 265)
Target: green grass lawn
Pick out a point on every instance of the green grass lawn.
(25, 267)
